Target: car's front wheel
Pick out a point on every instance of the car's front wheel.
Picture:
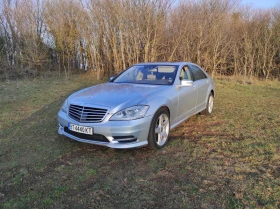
(159, 129)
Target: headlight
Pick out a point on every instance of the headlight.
(130, 113)
(65, 106)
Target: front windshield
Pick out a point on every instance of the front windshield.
(148, 74)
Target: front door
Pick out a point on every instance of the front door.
(187, 97)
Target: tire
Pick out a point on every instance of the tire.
(209, 106)
(159, 129)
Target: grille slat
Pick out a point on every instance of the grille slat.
(93, 112)
(77, 108)
(86, 114)
(92, 109)
(87, 117)
(74, 113)
(96, 111)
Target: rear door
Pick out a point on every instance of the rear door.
(202, 83)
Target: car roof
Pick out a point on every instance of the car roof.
(164, 63)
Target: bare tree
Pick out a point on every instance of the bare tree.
(107, 36)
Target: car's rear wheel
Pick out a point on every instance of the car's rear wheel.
(159, 129)
(209, 106)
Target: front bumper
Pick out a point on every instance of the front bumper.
(115, 131)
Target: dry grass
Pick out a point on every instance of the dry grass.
(227, 160)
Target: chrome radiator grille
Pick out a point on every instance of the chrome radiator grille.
(86, 114)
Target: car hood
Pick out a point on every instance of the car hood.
(114, 95)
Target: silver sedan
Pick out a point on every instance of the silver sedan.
(139, 106)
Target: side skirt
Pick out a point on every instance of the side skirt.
(182, 120)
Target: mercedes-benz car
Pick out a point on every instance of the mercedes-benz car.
(139, 106)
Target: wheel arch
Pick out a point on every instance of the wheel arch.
(167, 108)
(212, 92)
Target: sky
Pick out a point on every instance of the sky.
(262, 4)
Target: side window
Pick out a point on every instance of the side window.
(197, 73)
(185, 73)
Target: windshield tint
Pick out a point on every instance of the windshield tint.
(148, 74)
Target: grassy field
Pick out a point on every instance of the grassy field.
(230, 159)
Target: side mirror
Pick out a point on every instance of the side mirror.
(186, 83)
